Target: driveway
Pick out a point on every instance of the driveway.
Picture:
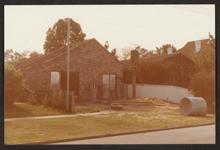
(192, 135)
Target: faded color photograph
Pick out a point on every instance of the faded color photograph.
(109, 74)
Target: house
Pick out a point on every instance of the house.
(190, 49)
(170, 69)
(94, 72)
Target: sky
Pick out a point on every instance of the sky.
(122, 26)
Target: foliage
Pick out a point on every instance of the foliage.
(13, 57)
(142, 51)
(14, 86)
(163, 49)
(206, 57)
(57, 35)
(55, 98)
(203, 82)
(203, 85)
(126, 52)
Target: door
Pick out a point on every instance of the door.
(74, 82)
(109, 86)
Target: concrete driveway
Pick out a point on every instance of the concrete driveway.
(192, 135)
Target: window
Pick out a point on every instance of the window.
(109, 85)
(55, 79)
(169, 50)
(197, 46)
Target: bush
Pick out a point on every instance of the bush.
(203, 85)
(15, 89)
(14, 86)
(55, 98)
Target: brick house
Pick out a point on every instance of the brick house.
(170, 69)
(94, 72)
(192, 48)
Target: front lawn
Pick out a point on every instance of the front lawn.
(158, 117)
(29, 110)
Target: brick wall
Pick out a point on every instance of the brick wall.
(91, 60)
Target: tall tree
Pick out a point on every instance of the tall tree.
(56, 37)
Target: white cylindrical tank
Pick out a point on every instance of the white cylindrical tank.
(193, 106)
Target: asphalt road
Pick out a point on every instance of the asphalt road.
(192, 135)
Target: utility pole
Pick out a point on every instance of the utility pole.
(68, 66)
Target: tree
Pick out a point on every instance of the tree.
(13, 57)
(203, 85)
(205, 59)
(9, 55)
(150, 52)
(164, 49)
(15, 87)
(126, 52)
(158, 50)
(142, 51)
(203, 82)
(56, 37)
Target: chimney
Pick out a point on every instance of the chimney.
(134, 56)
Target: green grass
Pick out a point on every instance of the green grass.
(17, 132)
(30, 110)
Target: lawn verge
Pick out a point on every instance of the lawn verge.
(41, 130)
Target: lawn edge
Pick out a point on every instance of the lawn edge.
(108, 135)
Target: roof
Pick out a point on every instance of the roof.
(58, 53)
(189, 48)
(188, 51)
(45, 57)
(155, 58)
(55, 55)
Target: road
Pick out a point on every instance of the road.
(192, 135)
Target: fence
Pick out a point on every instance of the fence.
(166, 92)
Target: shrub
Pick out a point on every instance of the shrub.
(203, 85)
(55, 98)
(12, 85)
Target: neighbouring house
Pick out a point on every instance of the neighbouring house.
(172, 69)
(191, 49)
(94, 72)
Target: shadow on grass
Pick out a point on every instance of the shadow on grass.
(15, 111)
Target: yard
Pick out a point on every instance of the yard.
(29, 110)
(138, 115)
